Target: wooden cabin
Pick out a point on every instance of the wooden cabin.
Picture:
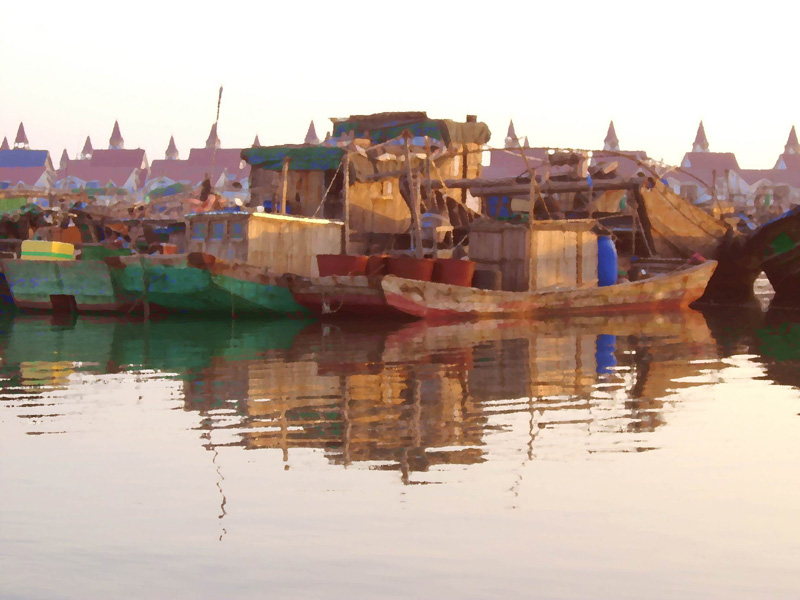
(536, 255)
(279, 243)
(308, 171)
(373, 147)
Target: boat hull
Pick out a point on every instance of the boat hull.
(440, 301)
(198, 283)
(74, 285)
(343, 295)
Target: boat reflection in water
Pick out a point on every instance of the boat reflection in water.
(406, 398)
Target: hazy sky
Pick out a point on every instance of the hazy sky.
(561, 70)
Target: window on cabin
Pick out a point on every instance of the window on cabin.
(217, 231)
(387, 188)
(199, 231)
(237, 231)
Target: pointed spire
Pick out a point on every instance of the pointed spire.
(21, 141)
(64, 160)
(700, 140)
(526, 144)
(115, 142)
(256, 142)
(172, 149)
(792, 145)
(213, 138)
(511, 136)
(87, 151)
(611, 142)
(4, 145)
(311, 135)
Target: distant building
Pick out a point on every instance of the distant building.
(704, 176)
(106, 173)
(781, 184)
(228, 173)
(25, 168)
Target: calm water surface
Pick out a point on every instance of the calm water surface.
(640, 457)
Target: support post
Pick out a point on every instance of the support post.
(285, 177)
(415, 216)
(346, 216)
(534, 193)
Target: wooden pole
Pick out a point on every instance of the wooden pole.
(346, 216)
(534, 193)
(429, 187)
(285, 176)
(415, 216)
(214, 152)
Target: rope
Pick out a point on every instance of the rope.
(325, 195)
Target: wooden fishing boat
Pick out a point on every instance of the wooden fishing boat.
(776, 247)
(200, 283)
(342, 295)
(47, 281)
(435, 300)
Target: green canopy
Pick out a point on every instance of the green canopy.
(301, 158)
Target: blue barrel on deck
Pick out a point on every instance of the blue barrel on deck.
(606, 261)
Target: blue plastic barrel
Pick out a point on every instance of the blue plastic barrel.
(606, 261)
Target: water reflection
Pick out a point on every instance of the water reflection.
(407, 399)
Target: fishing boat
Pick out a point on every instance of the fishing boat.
(424, 299)
(776, 248)
(201, 283)
(47, 277)
(343, 295)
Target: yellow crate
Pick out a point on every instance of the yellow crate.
(38, 250)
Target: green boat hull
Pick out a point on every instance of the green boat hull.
(85, 286)
(183, 288)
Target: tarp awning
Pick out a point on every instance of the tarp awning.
(444, 130)
(301, 158)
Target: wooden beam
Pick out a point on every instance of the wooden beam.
(285, 175)
(415, 216)
(521, 186)
(346, 216)
(644, 221)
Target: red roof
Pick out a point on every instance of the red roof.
(118, 158)
(792, 161)
(179, 170)
(711, 161)
(775, 176)
(627, 164)
(29, 176)
(509, 163)
(229, 159)
(86, 171)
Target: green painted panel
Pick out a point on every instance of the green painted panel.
(33, 281)
(256, 298)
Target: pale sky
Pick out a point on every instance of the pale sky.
(561, 70)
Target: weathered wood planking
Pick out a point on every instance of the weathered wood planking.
(679, 228)
(561, 254)
(286, 244)
(503, 247)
